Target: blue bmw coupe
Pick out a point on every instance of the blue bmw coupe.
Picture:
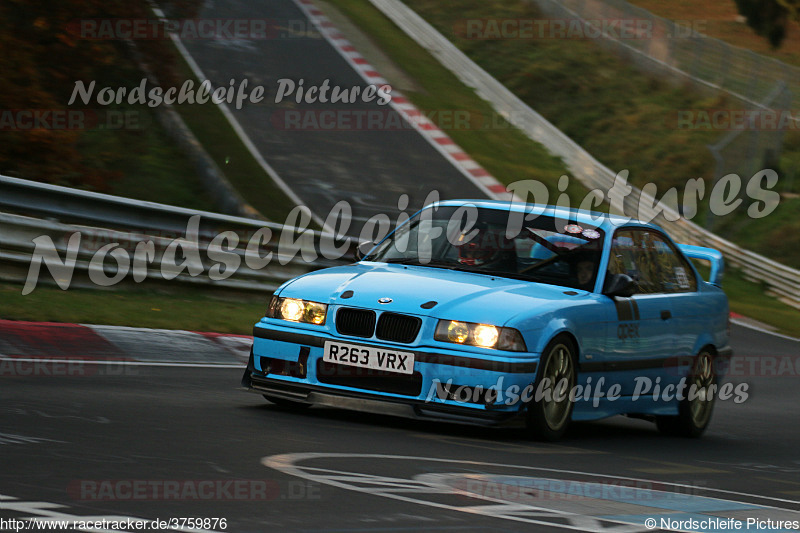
(498, 313)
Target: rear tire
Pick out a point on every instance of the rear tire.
(694, 411)
(549, 417)
(288, 405)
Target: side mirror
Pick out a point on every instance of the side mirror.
(363, 249)
(620, 285)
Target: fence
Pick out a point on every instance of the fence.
(780, 280)
(679, 52)
(123, 224)
(676, 48)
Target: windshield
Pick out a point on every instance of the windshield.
(546, 250)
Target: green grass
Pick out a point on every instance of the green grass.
(204, 309)
(147, 162)
(175, 307)
(779, 230)
(748, 299)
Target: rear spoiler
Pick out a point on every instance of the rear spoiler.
(707, 254)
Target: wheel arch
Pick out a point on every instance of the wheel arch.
(568, 334)
(554, 328)
(705, 341)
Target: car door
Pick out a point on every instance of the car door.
(641, 334)
(689, 311)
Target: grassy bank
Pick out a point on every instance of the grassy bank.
(206, 309)
(175, 307)
(748, 299)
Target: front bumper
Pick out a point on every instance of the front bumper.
(287, 363)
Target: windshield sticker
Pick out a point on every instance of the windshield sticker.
(682, 278)
(591, 234)
(573, 228)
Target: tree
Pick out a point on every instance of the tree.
(769, 17)
(43, 55)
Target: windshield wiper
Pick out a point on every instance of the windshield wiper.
(400, 260)
(438, 263)
(507, 274)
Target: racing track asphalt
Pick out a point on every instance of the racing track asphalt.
(369, 168)
(187, 425)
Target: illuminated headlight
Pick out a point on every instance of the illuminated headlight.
(483, 335)
(297, 310)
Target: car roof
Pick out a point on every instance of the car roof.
(604, 221)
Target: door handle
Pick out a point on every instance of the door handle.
(666, 315)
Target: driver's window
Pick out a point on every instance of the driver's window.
(632, 253)
(623, 260)
(651, 261)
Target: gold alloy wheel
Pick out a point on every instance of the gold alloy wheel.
(701, 380)
(559, 370)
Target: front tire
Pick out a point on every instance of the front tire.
(550, 415)
(694, 411)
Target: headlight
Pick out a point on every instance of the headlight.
(297, 310)
(483, 335)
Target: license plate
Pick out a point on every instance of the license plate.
(369, 357)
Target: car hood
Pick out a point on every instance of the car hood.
(458, 295)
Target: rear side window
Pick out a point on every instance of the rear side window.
(653, 263)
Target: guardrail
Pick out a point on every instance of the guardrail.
(102, 220)
(86, 207)
(781, 281)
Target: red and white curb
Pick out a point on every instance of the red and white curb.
(746, 322)
(54, 342)
(70, 343)
(429, 131)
